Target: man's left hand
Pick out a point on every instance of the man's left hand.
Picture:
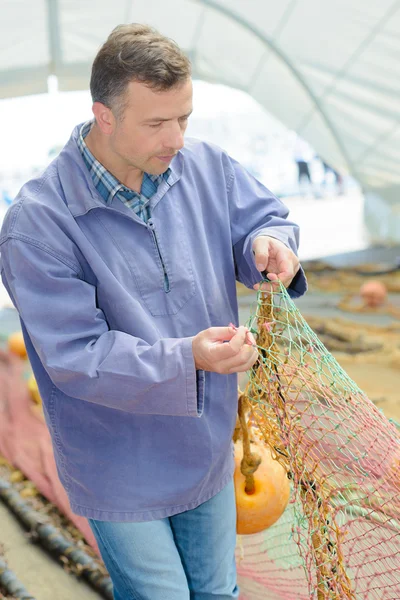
(276, 259)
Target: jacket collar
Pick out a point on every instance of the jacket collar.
(80, 193)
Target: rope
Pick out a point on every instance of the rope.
(250, 461)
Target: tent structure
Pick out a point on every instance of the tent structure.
(329, 70)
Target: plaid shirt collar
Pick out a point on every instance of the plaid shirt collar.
(109, 187)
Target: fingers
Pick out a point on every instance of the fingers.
(267, 286)
(221, 351)
(220, 334)
(286, 271)
(250, 339)
(238, 340)
(242, 362)
(276, 259)
(272, 277)
(261, 260)
(288, 265)
(214, 351)
(249, 360)
(285, 276)
(261, 252)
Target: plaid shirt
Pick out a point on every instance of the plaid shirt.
(109, 187)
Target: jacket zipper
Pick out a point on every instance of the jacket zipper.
(151, 228)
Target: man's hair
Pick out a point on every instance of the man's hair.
(136, 52)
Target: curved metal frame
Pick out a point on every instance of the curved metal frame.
(296, 74)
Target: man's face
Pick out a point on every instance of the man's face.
(149, 132)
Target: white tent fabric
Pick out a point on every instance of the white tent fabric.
(329, 70)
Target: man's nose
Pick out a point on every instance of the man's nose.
(175, 138)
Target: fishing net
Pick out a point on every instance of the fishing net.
(339, 537)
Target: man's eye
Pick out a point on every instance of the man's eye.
(154, 125)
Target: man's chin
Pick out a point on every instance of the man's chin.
(153, 171)
(158, 166)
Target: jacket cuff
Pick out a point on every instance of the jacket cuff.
(298, 285)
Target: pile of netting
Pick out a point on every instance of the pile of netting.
(325, 276)
(339, 537)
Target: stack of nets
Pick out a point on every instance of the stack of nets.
(339, 537)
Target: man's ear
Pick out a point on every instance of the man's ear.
(104, 118)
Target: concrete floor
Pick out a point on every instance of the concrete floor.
(42, 576)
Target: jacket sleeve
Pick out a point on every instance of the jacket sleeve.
(255, 211)
(82, 356)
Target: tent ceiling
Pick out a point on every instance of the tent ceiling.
(329, 70)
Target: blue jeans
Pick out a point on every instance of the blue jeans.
(187, 556)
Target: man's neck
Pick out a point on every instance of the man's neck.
(128, 176)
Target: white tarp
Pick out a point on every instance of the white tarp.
(329, 70)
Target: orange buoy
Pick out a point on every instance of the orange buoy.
(373, 293)
(262, 508)
(16, 344)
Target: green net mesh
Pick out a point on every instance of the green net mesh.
(339, 537)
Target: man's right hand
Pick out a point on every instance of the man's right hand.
(224, 350)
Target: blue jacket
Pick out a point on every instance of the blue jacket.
(109, 305)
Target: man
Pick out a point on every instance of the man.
(121, 260)
(303, 155)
